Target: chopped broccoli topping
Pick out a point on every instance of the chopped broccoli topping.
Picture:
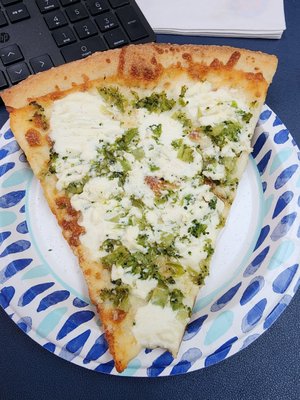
(224, 132)
(113, 96)
(185, 153)
(156, 102)
(246, 116)
(117, 295)
(197, 229)
(156, 132)
(183, 119)
(181, 100)
(77, 186)
(52, 161)
(213, 203)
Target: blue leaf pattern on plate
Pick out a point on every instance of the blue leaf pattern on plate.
(53, 298)
(221, 353)
(265, 115)
(223, 300)
(262, 236)
(13, 268)
(253, 316)
(194, 327)
(277, 121)
(16, 247)
(8, 149)
(284, 279)
(97, 350)
(277, 310)
(6, 167)
(262, 165)
(282, 202)
(50, 347)
(6, 294)
(22, 227)
(186, 361)
(4, 235)
(32, 292)
(285, 176)
(252, 289)
(281, 136)
(258, 145)
(256, 263)
(159, 364)
(74, 346)
(8, 134)
(283, 226)
(25, 324)
(11, 199)
(76, 319)
(79, 303)
(105, 368)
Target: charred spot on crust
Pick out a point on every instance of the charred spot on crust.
(234, 58)
(33, 137)
(121, 65)
(216, 63)
(64, 203)
(187, 57)
(73, 230)
(142, 71)
(108, 60)
(158, 49)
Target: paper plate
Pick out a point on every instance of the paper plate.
(253, 277)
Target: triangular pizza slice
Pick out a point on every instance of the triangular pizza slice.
(139, 152)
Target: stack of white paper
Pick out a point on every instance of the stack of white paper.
(235, 18)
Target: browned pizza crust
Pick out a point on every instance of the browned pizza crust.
(144, 66)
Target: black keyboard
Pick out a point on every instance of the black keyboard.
(36, 35)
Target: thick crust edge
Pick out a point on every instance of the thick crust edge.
(144, 64)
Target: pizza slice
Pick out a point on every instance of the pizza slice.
(139, 152)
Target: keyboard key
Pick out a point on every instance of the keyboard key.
(3, 20)
(118, 3)
(76, 12)
(18, 72)
(131, 23)
(47, 5)
(97, 7)
(83, 49)
(11, 54)
(9, 2)
(64, 36)
(3, 81)
(55, 20)
(85, 29)
(106, 21)
(116, 38)
(68, 2)
(17, 13)
(41, 63)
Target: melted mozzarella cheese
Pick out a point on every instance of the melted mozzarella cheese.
(158, 327)
(78, 124)
(140, 288)
(81, 123)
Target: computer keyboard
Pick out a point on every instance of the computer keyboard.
(36, 35)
